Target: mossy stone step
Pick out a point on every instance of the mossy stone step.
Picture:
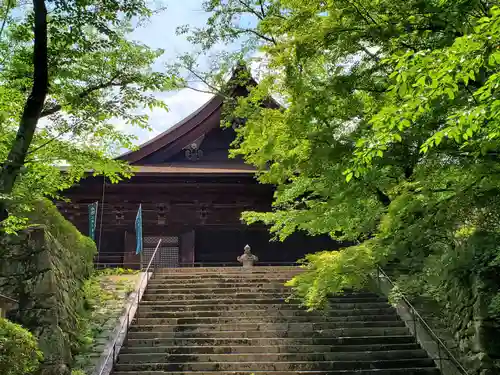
(398, 371)
(249, 309)
(273, 357)
(254, 297)
(262, 326)
(273, 341)
(226, 271)
(229, 283)
(165, 300)
(276, 366)
(165, 289)
(204, 349)
(233, 321)
(229, 277)
(307, 317)
(351, 332)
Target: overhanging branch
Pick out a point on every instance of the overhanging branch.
(85, 93)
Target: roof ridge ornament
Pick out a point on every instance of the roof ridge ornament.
(193, 153)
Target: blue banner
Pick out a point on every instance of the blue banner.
(138, 231)
(92, 219)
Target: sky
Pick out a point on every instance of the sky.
(160, 33)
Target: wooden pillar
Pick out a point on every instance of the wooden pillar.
(187, 242)
(130, 258)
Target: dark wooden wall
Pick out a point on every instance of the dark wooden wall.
(225, 244)
(204, 212)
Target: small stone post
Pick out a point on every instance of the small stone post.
(247, 259)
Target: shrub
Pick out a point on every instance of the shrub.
(19, 354)
(117, 271)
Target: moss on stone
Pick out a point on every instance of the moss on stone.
(106, 294)
(45, 267)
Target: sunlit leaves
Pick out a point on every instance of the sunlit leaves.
(101, 84)
(456, 84)
(387, 137)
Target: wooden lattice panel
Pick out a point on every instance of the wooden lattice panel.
(167, 255)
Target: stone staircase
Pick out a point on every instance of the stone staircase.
(203, 321)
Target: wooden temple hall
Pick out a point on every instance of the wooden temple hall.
(192, 195)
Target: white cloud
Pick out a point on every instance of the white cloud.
(160, 33)
(181, 104)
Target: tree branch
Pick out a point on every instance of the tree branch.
(200, 90)
(255, 32)
(368, 14)
(261, 3)
(72, 128)
(4, 22)
(251, 10)
(56, 108)
(216, 91)
(359, 12)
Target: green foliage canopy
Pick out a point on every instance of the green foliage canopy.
(97, 78)
(387, 136)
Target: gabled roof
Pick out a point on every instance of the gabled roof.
(190, 129)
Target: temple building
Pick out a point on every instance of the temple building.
(192, 196)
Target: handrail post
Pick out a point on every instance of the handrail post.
(128, 325)
(414, 324)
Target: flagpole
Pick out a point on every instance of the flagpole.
(102, 213)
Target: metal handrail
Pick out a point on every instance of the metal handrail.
(429, 330)
(3, 296)
(127, 321)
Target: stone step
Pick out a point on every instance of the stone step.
(188, 287)
(306, 317)
(242, 325)
(283, 357)
(219, 305)
(234, 275)
(273, 357)
(222, 279)
(249, 311)
(203, 349)
(274, 341)
(165, 289)
(223, 301)
(397, 371)
(335, 332)
(225, 276)
(281, 290)
(253, 296)
(227, 271)
(400, 371)
(277, 366)
(248, 297)
(161, 300)
(274, 309)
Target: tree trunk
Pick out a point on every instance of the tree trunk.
(32, 108)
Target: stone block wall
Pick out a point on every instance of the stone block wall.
(45, 268)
